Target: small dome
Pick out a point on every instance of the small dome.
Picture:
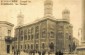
(48, 1)
(66, 11)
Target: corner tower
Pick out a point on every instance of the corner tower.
(66, 15)
(48, 8)
(20, 19)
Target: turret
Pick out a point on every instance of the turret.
(20, 19)
(48, 7)
(66, 15)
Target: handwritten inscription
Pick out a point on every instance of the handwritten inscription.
(14, 2)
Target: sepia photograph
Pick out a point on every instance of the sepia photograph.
(42, 27)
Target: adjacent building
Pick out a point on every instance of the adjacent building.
(5, 33)
(81, 48)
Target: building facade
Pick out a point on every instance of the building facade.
(47, 34)
(5, 32)
(40, 35)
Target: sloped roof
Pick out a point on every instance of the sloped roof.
(5, 22)
(39, 20)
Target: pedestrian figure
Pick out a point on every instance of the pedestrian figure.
(14, 52)
(46, 53)
(43, 53)
(39, 52)
(17, 52)
(56, 53)
(33, 52)
(59, 52)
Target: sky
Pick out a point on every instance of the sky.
(35, 10)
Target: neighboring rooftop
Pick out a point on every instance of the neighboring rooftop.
(5, 22)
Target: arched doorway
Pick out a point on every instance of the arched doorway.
(8, 48)
(51, 46)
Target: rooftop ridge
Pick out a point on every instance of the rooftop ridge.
(6, 22)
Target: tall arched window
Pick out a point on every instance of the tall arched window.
(36, 32)
(9, 32)
(28, 46)
(43, 45)
(29, 33)
(25, 34)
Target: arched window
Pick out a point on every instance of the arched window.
(9, 32)
(37, 46)
(21, 46)
(32, 30)
(29, 33)
(25, 46)
(52, 34)
(36, 32)
(43, 33)
(28, 46)
(25, 34)
(43, 45)
(31, 46)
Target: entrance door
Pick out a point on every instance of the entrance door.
(8, 48)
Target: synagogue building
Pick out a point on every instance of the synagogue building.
(45, 34)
